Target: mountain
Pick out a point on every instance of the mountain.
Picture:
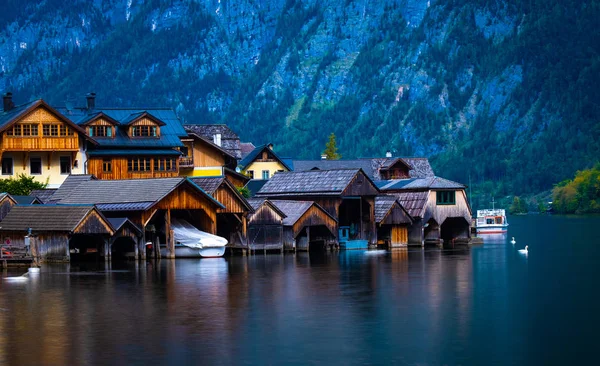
(502, 93)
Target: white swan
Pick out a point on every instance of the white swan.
(524, 251)
(513, 242)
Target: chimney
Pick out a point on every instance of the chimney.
(323, 157)
(270, 146)
(388, 154)
(91, 101)
(8, 103)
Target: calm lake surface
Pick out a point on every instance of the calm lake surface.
(489, 305)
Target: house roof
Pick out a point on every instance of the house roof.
(26, 200)
(294, 210)
(211, 184)
(313, 182)
(255, 185)
(419, 167)
(246, 148)
(418, 183)
(127, 194)
(43, 195)
(170, 132)
(256, 152)
(413, 202)
(63, 218)
(68, 186)
(229, 139)
(210, 143)
(383, 206)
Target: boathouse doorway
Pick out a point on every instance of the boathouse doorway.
(354, 212)
(431, 232)
(453, 228)
(83, 248)
(123, 248)
(312, 238)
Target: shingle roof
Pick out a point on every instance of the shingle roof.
(64, 218)
(69, 185)
(418, 183)
(209, 184)
(383, 204)
(257, 202)
(43, 194)
(246, 148)
(413, 202)
(9, 116)
(305, 165)
(421, 167)
(254, 153)
(313, 182)
(170, 132)
(229, 139)
(371, 166)
(127, 194)
(255, 185)
(294, 210)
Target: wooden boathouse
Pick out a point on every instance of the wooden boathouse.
(57, 232)
(148, 203)
(302, 222)
(348, 195)
(439, 207)
(232, 221)
(392, 221)
(265, 226)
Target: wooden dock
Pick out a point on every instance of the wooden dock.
(14, 256)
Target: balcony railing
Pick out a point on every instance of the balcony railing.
(186, 162)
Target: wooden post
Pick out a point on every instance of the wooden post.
(156, 247)
(143, 244)
(106, 250)
(308, 238)
(373, 223)
(136, 248)
(169, 236)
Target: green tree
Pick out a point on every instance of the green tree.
(331, 150)
(518, 206)
(22, 185)
(244, 191)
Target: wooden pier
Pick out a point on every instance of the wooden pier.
(14, 256)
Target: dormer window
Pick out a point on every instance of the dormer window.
(100, 131)
(144, 131)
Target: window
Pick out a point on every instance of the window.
(265, 174)
(165, 165)
(445, 198)
(50, 130)
(107, 165)
(66, 131)
(139, 165)
(144, 131)
(23, 129)
(35, 165)
(7, 166)
(100, 131)
(250, 174)
(65, 165)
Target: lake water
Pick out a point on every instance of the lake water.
(489, 305)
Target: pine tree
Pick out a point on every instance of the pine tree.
(331, 150)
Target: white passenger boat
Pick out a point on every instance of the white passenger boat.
(192, 242)
(491, 221)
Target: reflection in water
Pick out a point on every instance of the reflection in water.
(424, 307)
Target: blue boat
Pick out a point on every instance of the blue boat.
(350, 244)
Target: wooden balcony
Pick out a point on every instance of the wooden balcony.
(186, 162)
(63, 143)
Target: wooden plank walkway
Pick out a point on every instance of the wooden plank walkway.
(14, 256)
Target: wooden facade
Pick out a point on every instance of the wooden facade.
(6, 204)
(265, 227)
(393, 222)
(120, 167)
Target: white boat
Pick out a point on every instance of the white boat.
(191, 242)
(491, 221)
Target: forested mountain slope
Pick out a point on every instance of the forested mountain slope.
(498, 91)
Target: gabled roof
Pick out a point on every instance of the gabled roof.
(69, 185)
(384, 205)
(311, 183)
(18, 112)
(136, 116)
(210, 143)
(129, 152)
(256, 152)
(294, 210)
(211, 184)
(118, 222)
(127, 194)
(257, 202)
(62, 218)
(170, 132)
(419, 167)
(26, 200)
(6, 196)
(96, 116)
(246, 148)
(229, 139)
(418, 184)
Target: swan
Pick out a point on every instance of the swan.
(524, 251)
(20, 278)
(513, 242)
